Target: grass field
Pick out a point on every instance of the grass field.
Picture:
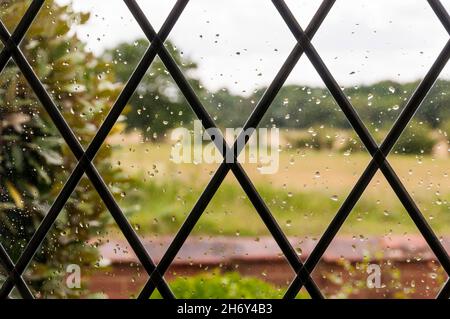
(304, 195)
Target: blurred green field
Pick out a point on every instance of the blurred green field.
(303, 196)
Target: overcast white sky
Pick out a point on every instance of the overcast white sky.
(361, 41)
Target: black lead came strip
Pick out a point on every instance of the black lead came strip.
(156, 273)
(85, 158)
(378, 153)
(223, 169)
(11, 42)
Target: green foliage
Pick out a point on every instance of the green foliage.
(230, 207)
(347, 289)
(416, 140)
(227, 109)
(158, 104)
(378, 105)
(445, 129)
(435, 111)
(34, 159)
(303, 107)
(230, 285)
(319, 138)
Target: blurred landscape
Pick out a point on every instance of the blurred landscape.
(304, 195)
(321, 158)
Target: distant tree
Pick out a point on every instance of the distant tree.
(378, 105)
(157, 104)
(228, 109)
(435, 110)
(34, 159)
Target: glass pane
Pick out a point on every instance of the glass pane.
(294, 170)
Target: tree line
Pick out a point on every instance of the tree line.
(158, 104)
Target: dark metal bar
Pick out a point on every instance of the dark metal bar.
(379, 159)
(326, 77)
(10, 41)
(85, 158)
(445, 291)
(8, 265)
(441, 13)
(85, 161)
(444, 17)
(135, 79)
(19, 32)
(293, 58)
(59, 203)
(205, 117)
(243, 179)
(418, 219)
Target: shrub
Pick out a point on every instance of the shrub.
(34, 159)
(317, 138)
(158, 104)
(229, 285)
(416, 139)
